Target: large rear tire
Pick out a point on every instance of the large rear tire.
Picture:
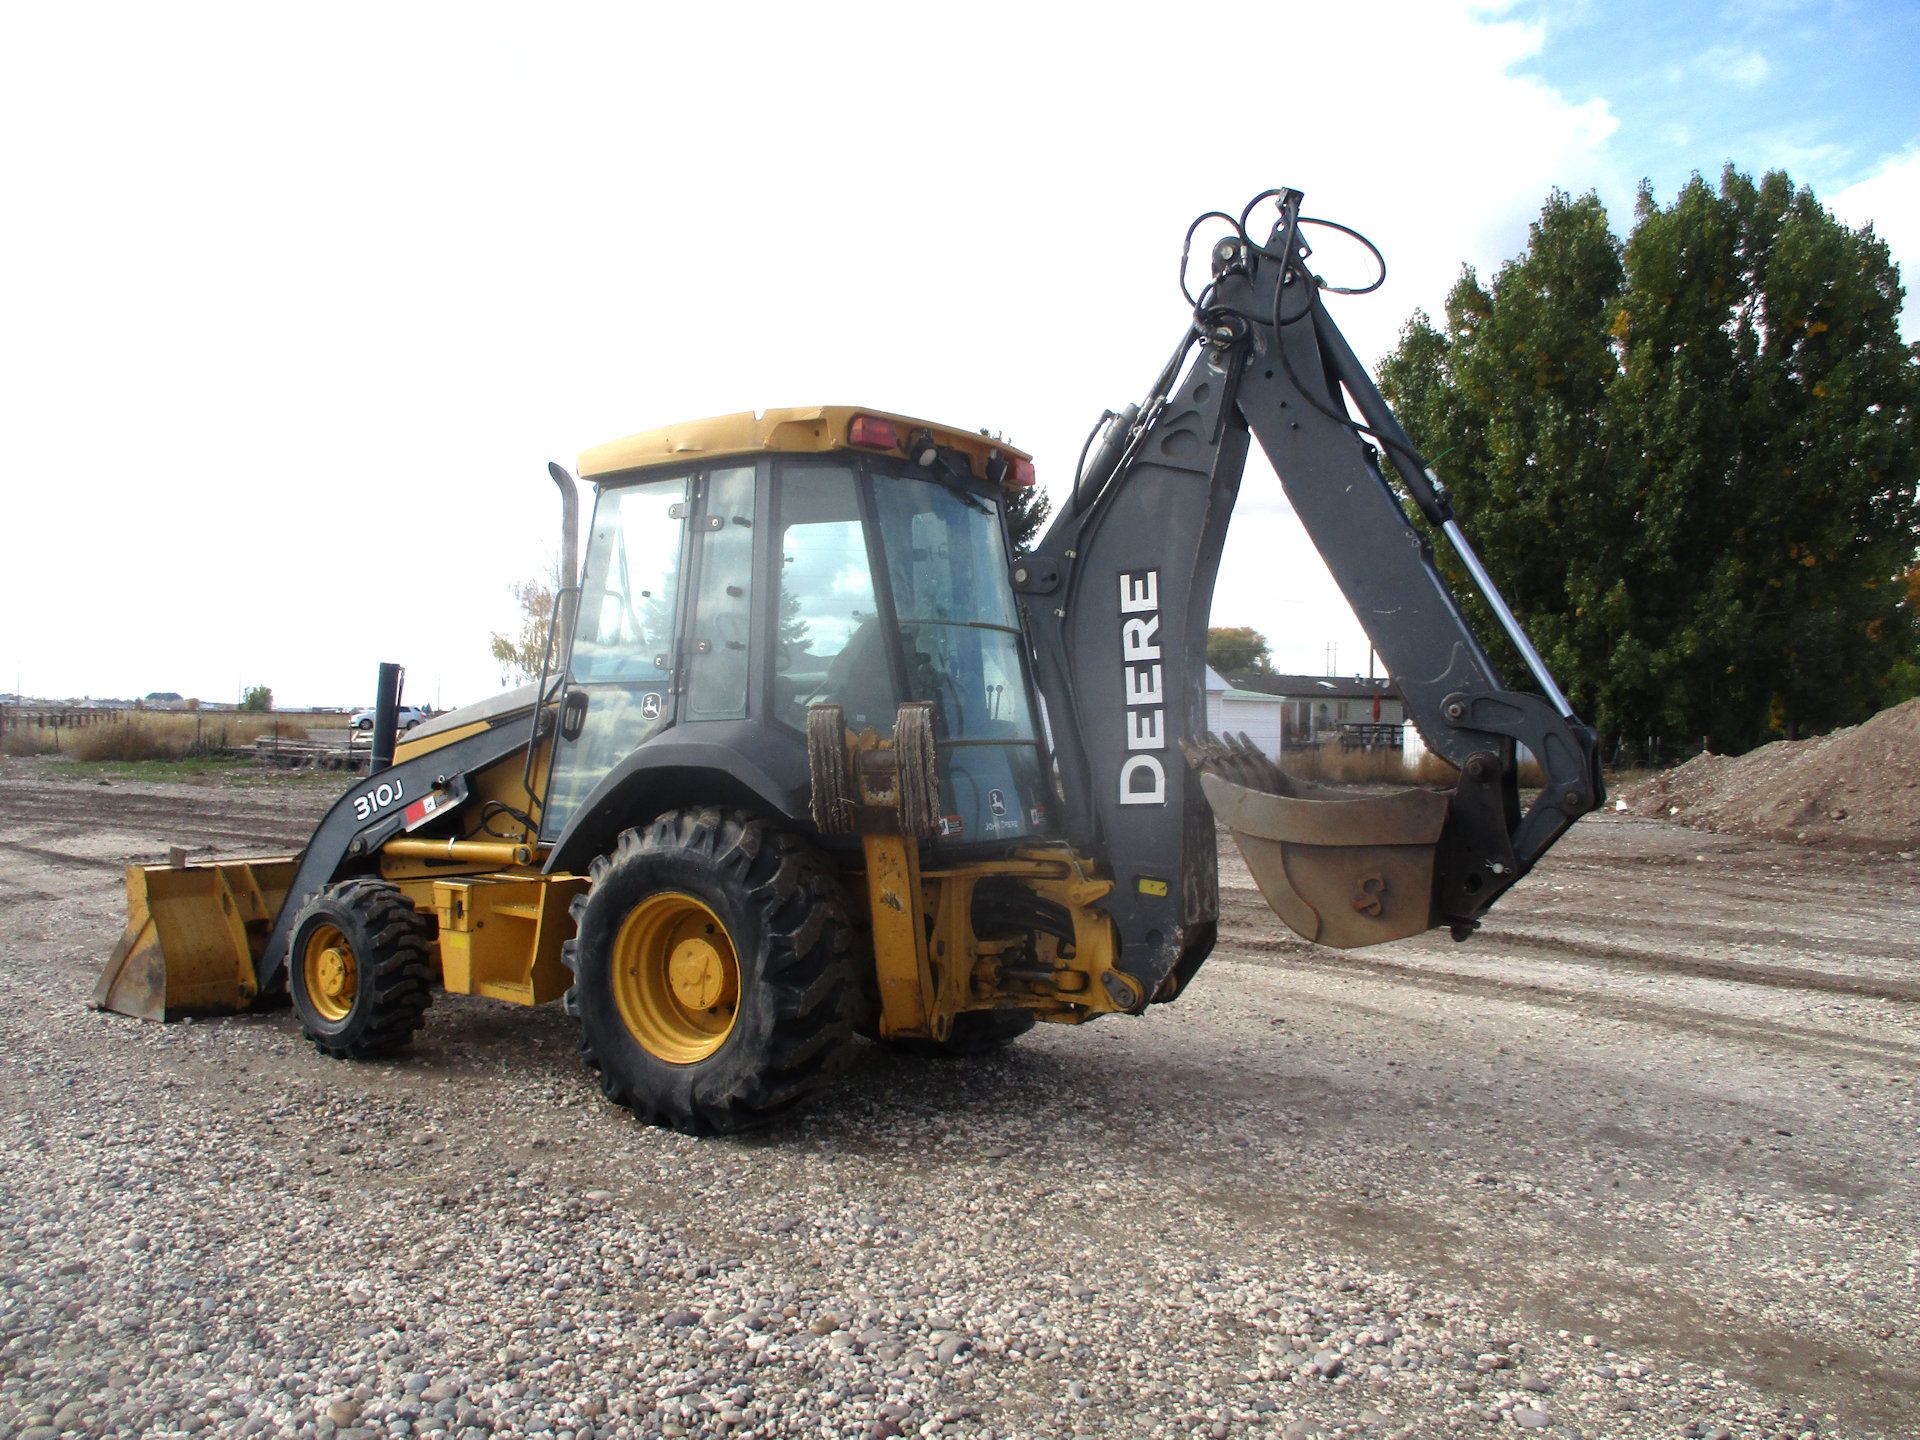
(713, 980)
(360, 969)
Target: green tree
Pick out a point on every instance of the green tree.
(257, 697)
(1689, 459)
(520, 653)
(1238, 650)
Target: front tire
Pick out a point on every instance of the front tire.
(360, 969)
(713, 979)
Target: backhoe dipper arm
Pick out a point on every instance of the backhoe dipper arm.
(1119, 591)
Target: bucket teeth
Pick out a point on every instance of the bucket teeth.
(1235, 758)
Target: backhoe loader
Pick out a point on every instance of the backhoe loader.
(812, 756)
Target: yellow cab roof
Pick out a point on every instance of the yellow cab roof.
(806, 430)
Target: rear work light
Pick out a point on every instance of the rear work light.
(1004, 470)
(873, 433)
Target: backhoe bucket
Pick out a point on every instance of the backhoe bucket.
(1341, 869)
(193, 934)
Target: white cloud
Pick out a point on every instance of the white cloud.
(1806, 159)
(1889, 200)
(300, 302)
(1735, 64)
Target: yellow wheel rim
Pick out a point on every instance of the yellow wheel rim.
(327, 969)
(676, 978)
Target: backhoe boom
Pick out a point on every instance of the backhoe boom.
(1120, 588)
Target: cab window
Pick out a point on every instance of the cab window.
(717, 667)
(829, 644)
(625, 631)
(947, 562)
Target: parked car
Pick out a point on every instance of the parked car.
(409, 716)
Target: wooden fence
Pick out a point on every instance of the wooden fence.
(58, 717)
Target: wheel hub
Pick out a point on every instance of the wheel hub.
(330, 974)
(695, 973)
(676, 978)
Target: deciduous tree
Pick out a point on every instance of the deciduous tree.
(1238, 650)
(520, 653)
(1689, 459)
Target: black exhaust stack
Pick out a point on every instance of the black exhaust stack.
(386, 716)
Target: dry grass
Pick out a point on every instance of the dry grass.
(173, 736)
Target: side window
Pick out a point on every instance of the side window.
(723, 613)
(829, 643)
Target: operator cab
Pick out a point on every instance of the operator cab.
(743, 569)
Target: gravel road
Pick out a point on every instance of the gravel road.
(1640, 1160)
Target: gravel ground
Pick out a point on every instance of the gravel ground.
(1640, 1160)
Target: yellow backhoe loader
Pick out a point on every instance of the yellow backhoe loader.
(813, 756)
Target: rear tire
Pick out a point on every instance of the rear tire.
(360, 969)
(712, 974)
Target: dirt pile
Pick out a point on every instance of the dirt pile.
(1860, 785)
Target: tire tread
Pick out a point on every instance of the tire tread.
(807, 967)
(397, 968)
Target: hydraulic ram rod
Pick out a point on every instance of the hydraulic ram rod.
(1491, 594)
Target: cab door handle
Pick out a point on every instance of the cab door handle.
(573, 714)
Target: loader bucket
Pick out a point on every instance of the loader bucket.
(193, 935)
(1342, 869)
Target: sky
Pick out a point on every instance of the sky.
(299, 301)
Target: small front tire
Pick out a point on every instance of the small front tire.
(360, 969)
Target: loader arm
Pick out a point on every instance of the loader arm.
(1119, 592)
(370, 814)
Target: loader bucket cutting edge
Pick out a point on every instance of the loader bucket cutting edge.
(1341, 870)
(193, 934)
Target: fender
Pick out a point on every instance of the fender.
(706, 764)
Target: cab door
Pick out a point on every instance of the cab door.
(620, 674)
(666, 614)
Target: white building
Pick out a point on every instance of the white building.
(1233, 712)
